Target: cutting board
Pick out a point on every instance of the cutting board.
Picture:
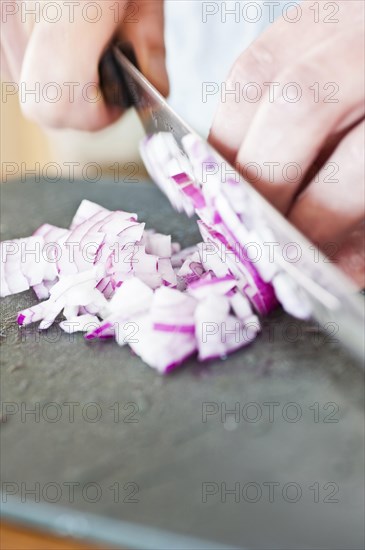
(262, 450)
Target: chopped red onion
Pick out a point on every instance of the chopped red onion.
(80, 323)
(217, 332)
(112, 278)
(161, 350)
(22, 265)
(231, 221)
(293, 300)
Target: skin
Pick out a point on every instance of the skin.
(75, 49)
(314, 135)
(310, 133)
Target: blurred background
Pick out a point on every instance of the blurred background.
(26, 145)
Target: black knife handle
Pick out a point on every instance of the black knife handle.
(112, 79)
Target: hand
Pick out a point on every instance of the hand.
(67, 52)
(307, 126)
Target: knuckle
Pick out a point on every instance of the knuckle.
(43, 113)
(257, 62)
(304, 72)
(353, 147)
(295, 87)
(66, 110)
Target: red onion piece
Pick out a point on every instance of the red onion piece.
(219, 333)
(108, 274)
(80, 323)
(163, 351)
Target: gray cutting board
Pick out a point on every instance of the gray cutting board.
(169, 455)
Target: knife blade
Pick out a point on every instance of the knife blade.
(336, 305)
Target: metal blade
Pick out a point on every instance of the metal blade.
(336, 304)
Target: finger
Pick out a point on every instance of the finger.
(334, 202)
(143, 27)
(350, 257)
(259, 65)
(291, 134)
(13, 40)
(61, 65)
(326, 152)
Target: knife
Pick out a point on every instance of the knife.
(335, 301)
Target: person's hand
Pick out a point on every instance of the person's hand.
(64, 48)
(302, 143)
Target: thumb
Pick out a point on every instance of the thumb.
(62, 59)
(143, 27)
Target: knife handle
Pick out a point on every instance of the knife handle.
(112, 79)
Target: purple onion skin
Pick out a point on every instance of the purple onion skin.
(170, 368)
(265, 301)
(182, 329)
(21, 319)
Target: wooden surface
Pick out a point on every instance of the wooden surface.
(13, 537)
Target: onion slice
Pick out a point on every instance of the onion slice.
(112, 278)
